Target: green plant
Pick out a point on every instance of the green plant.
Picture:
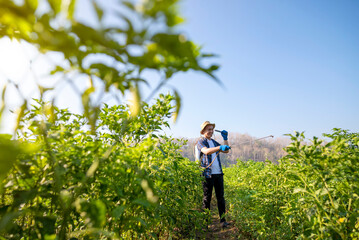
(311, 193)
(125, 181)
(101, 53)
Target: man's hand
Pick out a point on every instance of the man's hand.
(224, 134)
(224, 148)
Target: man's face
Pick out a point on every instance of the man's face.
(208, 131)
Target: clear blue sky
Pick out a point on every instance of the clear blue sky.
(286, 66)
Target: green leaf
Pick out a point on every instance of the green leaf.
(90, 172)
(71, 9)
(97, 213)
(163, 152)
(129, 4)
(135, 102)
(20, 113)
(299, 190)
(6, 220)
(143, 202)
(10, 150)
(47, 226)
(55, 5)
(23, 196)
(98, 9)
(32, 4)
(86, 99)
(57, 69)
(178, 105)
(50, 237)
(3, 100)
(118, 212)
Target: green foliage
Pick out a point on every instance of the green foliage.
(125, 180)
(107, 173)
(311, 193)
(10, 151)
(147, 26)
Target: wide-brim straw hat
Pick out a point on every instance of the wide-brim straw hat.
(205, 124)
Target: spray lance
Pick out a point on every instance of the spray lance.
(250, 141)
(197, 154)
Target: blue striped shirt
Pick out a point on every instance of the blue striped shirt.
(207, 159)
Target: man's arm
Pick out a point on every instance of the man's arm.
(225, 142)
(209, 151)
(224, 134)
(221, 148)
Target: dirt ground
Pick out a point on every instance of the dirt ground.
(215, 230)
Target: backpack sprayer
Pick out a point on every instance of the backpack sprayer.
(197, 153)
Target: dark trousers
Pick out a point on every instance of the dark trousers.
(215, 181)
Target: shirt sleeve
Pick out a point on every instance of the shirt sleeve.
(200, 145)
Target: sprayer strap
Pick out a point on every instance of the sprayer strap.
(212, 160)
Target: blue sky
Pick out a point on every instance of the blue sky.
(285, 65)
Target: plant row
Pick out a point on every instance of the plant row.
(122, 181)
(313, 193)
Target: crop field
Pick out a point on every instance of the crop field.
(130, 183)
(110, 171)
(70, 183)
(311, 194)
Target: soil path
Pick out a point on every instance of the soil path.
(215, 231)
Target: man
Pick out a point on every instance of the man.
(209, 155)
